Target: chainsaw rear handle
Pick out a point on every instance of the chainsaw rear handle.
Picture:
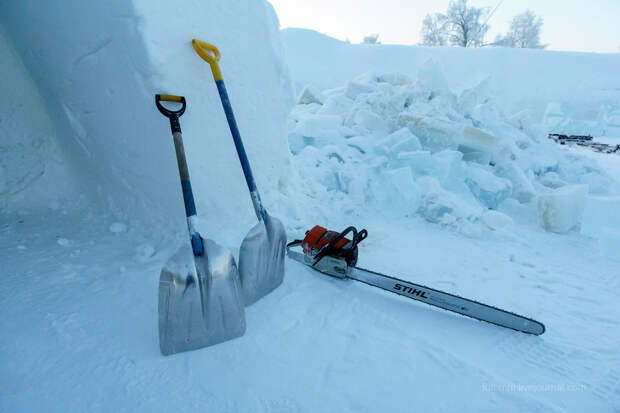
(210, 54)
(173, 115)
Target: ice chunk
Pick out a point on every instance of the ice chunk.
(562, 210)
(365, 121)
(489, 189)
(323, 126)
(600, 213)
(478, 139)
(449, 166)
(360, 143)
(356, 88)
(445, 166)
(609, 243)
(336, 105)
(439, 133)
(420, 162)
(440, 206)
(496, 220)
(397, 192)
(521, 120)
(432, 80)
(479, 94)
(394, 79)
(297, 142)
(522, 189)
(554, 115)
(434, 133)
(489, 115)
(331, 167)
(310, 94)
(315, 130)
(552, 180)
(400, 141)
(300, 112)
(524, 121)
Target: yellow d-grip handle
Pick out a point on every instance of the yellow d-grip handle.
(170, 98)
(204, 50)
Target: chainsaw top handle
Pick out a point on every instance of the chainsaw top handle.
(173, 115)
(331, 247)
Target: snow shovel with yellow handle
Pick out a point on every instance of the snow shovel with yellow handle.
(261, 256)
(200, 304)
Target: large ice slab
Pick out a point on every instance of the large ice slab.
(562, 210)
(439, 133)
(400, 141)
(397, 192)
(489, 189)
(440, 206)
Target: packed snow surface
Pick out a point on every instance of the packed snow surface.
(418, 145)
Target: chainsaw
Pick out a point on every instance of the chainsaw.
(335, 254)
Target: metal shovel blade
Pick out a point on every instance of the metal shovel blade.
(200, 302)
(261, 259)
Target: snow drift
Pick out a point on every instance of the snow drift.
(90, 104)
(523, 78)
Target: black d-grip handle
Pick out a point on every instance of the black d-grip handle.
(173, 115)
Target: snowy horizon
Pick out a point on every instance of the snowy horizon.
(567, 25)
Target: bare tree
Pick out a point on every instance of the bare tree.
(462, 25)
(524, 31)
(433, 32)
(371, 39)
(466, 26)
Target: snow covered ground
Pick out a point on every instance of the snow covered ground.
(80, 329)
(443, 168)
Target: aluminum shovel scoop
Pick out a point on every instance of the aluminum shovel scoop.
(200, 304)
(261, 256)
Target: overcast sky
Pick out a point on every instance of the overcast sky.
(580, 25)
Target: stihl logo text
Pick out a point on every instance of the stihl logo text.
(410, 291)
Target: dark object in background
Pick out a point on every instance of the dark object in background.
(584, 140)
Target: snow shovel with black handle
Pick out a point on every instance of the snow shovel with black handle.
(201, 304)
(261, 256)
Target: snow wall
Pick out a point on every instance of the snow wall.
(523, 78)
(79, 127)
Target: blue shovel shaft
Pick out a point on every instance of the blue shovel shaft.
(243, 157)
